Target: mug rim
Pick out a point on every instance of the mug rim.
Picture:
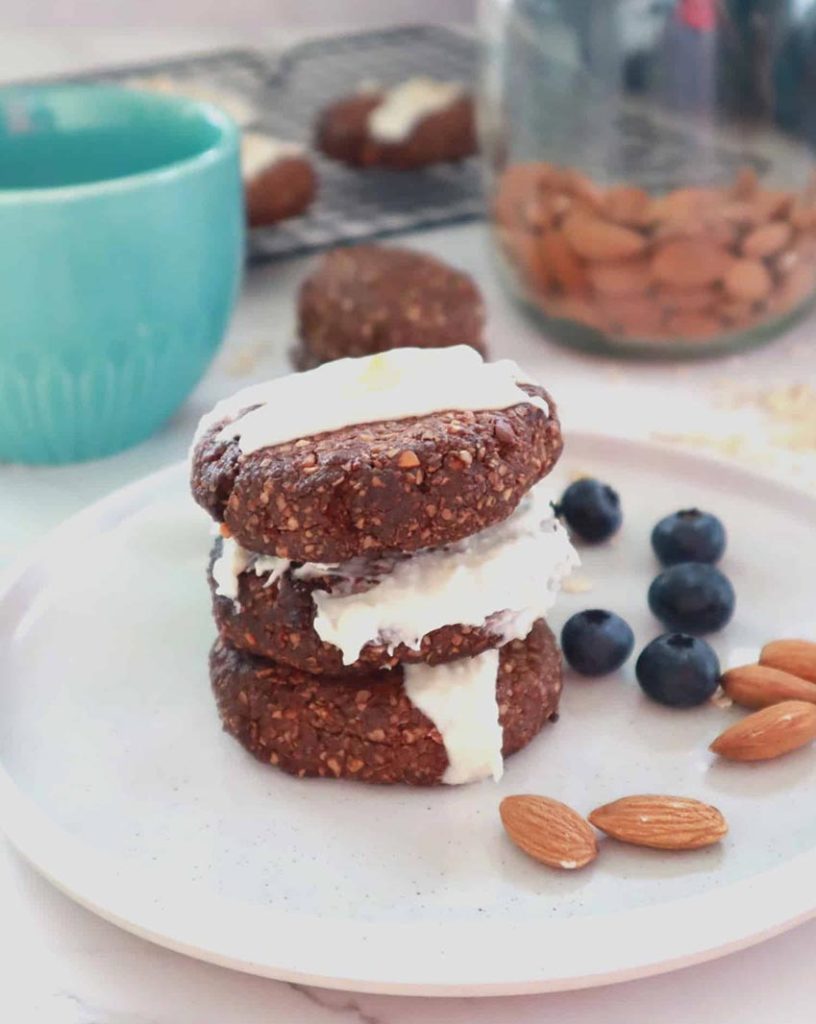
(225, 143)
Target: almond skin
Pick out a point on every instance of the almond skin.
(548, 831)
(767, 240)
(760, 686)
(597, 239)
(688, 300)
(768, 733)
(748, 280)
(690, 263)
(562, 264)
(795, 656)
(661, 822)
(633, 315)
(684, 204)
(628, 205)
(626, 277)
(693, 325)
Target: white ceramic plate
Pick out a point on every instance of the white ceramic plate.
(118, 784)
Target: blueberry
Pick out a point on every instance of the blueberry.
(679, 670)
(689, 536)
(591, 510)
(596, 642)
(692, 597)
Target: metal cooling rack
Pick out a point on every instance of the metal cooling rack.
(287, 92)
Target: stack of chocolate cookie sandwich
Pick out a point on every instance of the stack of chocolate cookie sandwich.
(385, 561)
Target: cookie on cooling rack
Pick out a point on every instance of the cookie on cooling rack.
(421, 121)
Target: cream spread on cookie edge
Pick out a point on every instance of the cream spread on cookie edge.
(460, 699)
(259, 151)
(393, 385)
(506, 576)
(408, 103)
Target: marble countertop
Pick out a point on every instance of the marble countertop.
(65, 966)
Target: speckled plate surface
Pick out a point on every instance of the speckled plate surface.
(118, 784)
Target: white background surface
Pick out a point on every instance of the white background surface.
(63, 966)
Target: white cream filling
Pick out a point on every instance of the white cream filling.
(235, 560)
(392, 385)
(460, 700)
(508, 575)
(233, 105)
(409, 103)
(229, 565)
(258, 152)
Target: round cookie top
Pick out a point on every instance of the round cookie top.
(372, 298)
(409, 449)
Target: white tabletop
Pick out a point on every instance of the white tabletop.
(64, 966)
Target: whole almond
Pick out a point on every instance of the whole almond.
(712, 229)
(661, 822)
(626, 277)
(803, 217)
(628, 204)
(766, 240)
(634, 316)
(684, 204)
(740, 212)
(580, 186)
(772, 203)
(768, 733)
(786, 261)
(760, 686)
(693, 326)
(795, 656)
(562, 263)
(748, 280)
(519, 184)
(548, 831)
(688, 300)
(537, 212)
(690, 263)
(597, 239)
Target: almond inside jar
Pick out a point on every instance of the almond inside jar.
(689, 266)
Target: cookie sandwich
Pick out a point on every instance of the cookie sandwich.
(385, 562)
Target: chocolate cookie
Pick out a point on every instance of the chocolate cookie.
(365, 727)
(279, 181)
(344, 133)
(372, 298)
(399, 485)
(277, 621)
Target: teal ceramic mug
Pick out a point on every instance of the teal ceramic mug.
(122, 227)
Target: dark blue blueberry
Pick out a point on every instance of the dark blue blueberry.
(679, 670)
(596, 642)
(591, 509)
(692, 597)
(689, 536)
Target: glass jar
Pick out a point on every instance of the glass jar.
(652, 186)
